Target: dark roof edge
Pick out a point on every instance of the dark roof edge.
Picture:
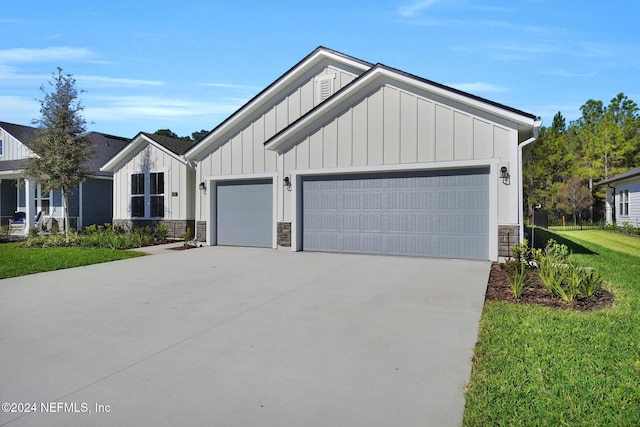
(274, 83)
(631, 173)
(461, 92)
(395, 70)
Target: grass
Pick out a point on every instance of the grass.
(540, 366)
(22, 261)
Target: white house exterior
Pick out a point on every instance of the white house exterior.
(153, 184)
(89, 203)
(342, 155)
(623, 198)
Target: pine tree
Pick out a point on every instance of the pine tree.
(60, 147)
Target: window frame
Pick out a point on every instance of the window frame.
(145, 193)
(623, 202)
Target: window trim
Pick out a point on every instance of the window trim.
(147, 194)
(623, 198)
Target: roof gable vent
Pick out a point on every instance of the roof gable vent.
(325, 87)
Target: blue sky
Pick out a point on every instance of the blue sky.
(147, 65)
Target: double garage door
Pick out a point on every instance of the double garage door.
(436, 214)
(426, 213)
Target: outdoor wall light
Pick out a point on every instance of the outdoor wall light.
(203, 186)
(504, 175)
(286, 182)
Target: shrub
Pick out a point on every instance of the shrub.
(4, 231)
(563, 278)
(162, 231)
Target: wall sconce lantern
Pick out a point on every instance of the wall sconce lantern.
(286, 182)
(203, 186)
(504, 175)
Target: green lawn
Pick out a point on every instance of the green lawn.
(16, 261)
(540, 366)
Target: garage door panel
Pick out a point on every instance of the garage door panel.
(441, 213)
(245, 213)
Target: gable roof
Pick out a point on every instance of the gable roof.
(318, 56)
(176, 146)
(101, 147)
(379, 75)
(24, 134)
(632, 173)
(173, 147)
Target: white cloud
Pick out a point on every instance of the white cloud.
(143, 108)
(415, 8)
(101, 81)
(18, 109)
(233, 86)
(24, 55)
(478, 87)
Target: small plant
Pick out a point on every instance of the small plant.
(188, 237)
(33, 232)
(591, 282)
(162, 231)
(4, 231)
(518, 276)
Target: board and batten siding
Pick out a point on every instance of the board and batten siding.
(243, 152)
(391, 126)
(176, 180)
(12, 148)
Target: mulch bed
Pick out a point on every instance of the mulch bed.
(498, 289)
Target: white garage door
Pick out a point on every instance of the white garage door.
(244, 213)
(436, 213)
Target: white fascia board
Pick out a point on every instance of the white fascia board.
(287, 137)
(262, 98)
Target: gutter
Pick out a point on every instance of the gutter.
(536, 132)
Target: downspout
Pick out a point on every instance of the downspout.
(536, 131)
(613, 204)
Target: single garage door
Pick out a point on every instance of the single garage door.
(435, 213)
(244, 213)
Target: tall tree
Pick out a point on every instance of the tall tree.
(62, 150)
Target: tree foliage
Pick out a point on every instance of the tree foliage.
(62, 150)
(603, 142)
(195, 136)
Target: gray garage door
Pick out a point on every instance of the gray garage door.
(245, 213)
(437, 214)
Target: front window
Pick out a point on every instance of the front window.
(156, 194)
(147, 195)
(1, 148)
(624, 202)
(137, 195)
(43, 200)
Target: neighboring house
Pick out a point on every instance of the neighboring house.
(623, 198)
(89, 203)
(341, 155)
(153, 184)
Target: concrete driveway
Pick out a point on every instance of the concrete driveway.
(224, 336)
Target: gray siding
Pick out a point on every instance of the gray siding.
(97, 201)
(8, 197)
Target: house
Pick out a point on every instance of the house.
(342, 155)
(89, 203)
(622, 203)
(153, 184)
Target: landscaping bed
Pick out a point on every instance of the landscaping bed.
(499, 289)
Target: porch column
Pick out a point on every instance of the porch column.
(30, 202)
